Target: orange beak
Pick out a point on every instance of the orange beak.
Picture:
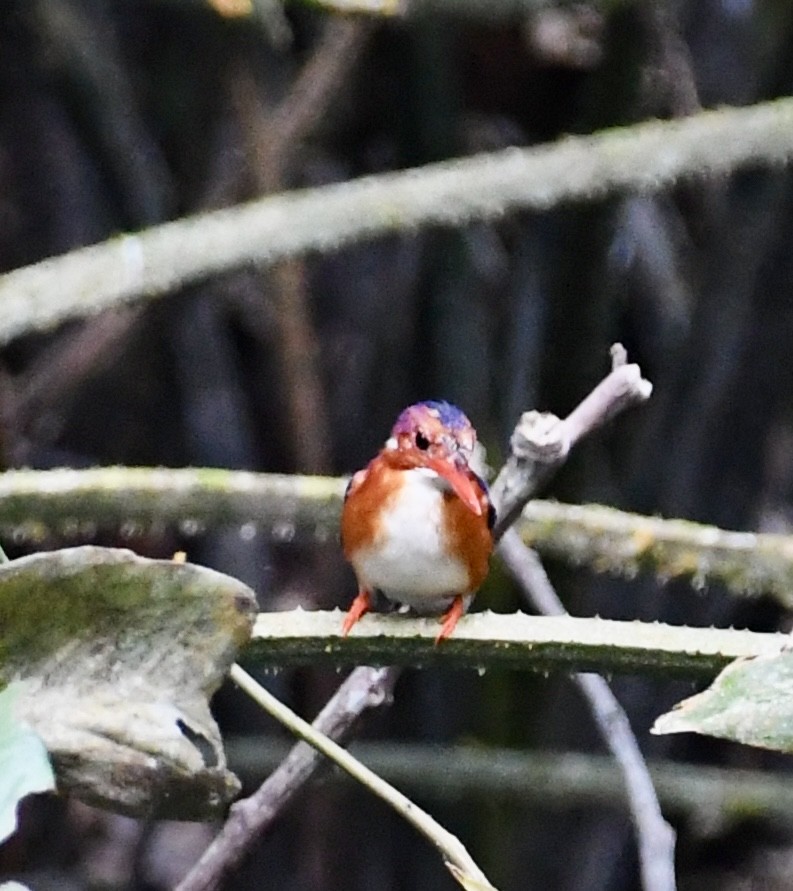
(460, 482)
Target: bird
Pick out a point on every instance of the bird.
(417, 521)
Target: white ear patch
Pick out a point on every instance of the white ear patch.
(426, 471)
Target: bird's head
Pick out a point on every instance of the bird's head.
(440, 438)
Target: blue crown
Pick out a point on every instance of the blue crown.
(449, 415)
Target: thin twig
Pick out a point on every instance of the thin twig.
(108, 97)
(645, 157)
(274, 139)
(279, 133)
(655, 837)
(55, 375)
(450, 847)
(365, 688)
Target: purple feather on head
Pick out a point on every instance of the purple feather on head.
(433, 412)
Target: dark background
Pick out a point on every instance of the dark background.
(119, 115)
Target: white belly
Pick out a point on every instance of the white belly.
(409, 562)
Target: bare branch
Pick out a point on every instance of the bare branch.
(655, 837)
(452, 850)
(541, 441)
(645, 157)
(365, 688)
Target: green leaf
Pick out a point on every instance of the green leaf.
(120, 655)
(751, 701)
(24, 765)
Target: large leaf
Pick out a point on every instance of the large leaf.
(751, 701)
(24, 765)
(120, 655)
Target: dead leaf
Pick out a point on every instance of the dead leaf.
(120, 655)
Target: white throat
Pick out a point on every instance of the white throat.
(409, 562)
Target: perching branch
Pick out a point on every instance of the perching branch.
(452, 850)
(644, 157)
(517, 640)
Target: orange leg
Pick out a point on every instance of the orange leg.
(450, 619)
(362, 604)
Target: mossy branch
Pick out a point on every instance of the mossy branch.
(713, 797)
(75, 504)
(609, 540)
(645, 157)
(486, 640)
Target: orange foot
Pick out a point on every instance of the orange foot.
(450, 619)
(362, 604)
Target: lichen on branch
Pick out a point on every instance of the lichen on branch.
(645, 157)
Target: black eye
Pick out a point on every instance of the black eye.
(421, 441)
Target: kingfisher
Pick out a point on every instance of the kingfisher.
(417, 521)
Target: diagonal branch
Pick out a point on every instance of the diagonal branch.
(546, 435)
(541, 441)
(655, 837)
(247, 821)
(250, 817)
(457, 859)
(645, 157)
